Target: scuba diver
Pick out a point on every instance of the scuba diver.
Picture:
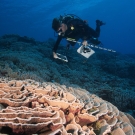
(72, 27)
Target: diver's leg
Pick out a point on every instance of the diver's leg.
(98, 24)
(98, 30)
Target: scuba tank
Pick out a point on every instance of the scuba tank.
(68, 17)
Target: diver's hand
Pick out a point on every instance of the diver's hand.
(85, 43)
(55, 55)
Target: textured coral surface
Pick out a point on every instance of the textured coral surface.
(29, 107)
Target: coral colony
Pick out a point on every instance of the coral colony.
(43, 96)
(50, 109)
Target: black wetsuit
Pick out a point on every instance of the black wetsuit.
(77, 29)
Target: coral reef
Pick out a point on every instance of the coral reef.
(111, 76)
(29, 107)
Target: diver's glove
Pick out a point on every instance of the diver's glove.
(84, 42)
(100, 23)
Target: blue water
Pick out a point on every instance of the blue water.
(33, 18)
(109, 75)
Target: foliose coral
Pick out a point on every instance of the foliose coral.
(32, 107)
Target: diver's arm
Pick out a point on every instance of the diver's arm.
(57, 44)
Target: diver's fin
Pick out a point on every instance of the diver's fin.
(85, 51)
(100, 23)
(62, 57)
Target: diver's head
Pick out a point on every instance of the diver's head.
(58, 26)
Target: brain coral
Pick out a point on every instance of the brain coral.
(29, 107)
